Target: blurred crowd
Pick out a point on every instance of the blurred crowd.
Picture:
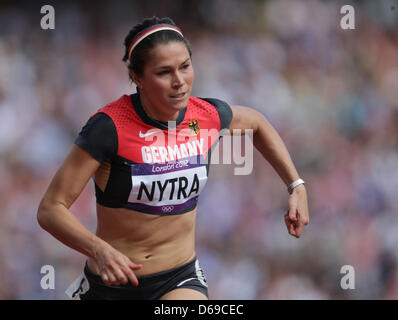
(330, 93)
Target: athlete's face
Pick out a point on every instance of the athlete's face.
(167, 78)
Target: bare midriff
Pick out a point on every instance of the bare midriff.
(157, 242)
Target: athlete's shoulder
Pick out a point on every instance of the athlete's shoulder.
(121, 111)
(98, 137)
(221, 107)
(122, 102)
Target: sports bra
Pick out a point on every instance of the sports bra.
(152, 166)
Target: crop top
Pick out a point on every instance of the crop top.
(151, 166)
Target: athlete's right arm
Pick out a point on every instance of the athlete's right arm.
(55, 217)
(53, 214)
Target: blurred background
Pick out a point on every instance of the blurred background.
(330, 93)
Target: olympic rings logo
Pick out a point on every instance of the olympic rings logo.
(167, 209)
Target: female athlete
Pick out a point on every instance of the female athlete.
(146, 154)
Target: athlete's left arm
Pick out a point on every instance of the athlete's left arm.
(267, 141)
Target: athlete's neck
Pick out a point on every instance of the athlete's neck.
(156, 114)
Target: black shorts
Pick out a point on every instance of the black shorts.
(89, 286)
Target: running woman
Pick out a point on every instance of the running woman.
(148, 179)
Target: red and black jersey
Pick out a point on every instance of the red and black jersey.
(152, 166)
